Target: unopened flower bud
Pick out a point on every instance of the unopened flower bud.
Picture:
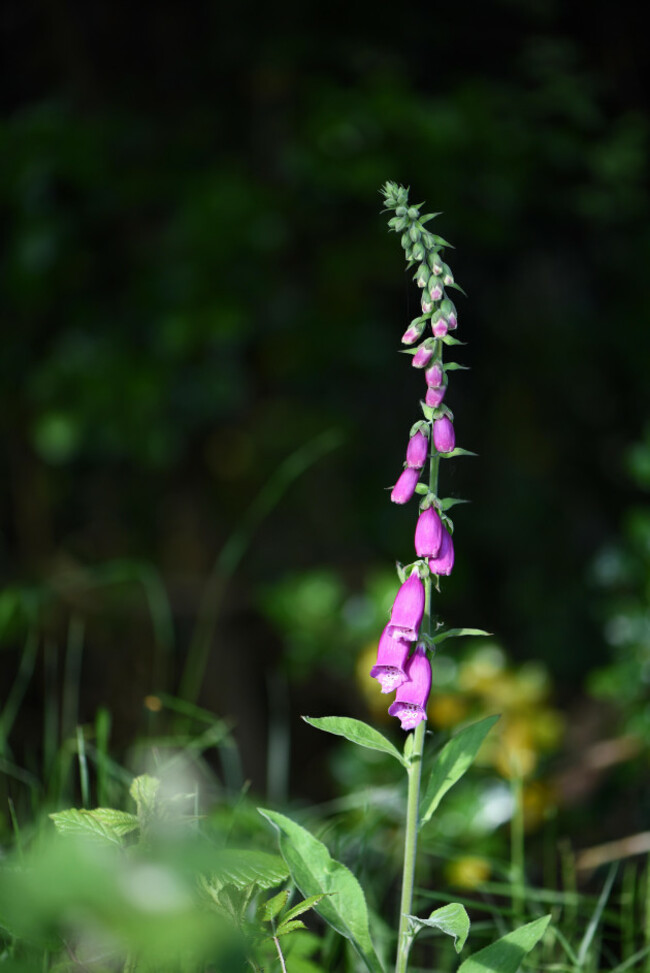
(444, 437)
(447, 275)
(435, 263)
(422, 356)
(410, 705)
(435, 376)
(391, 659)
(428, 533)
(413, 332)
(418, 252)
(435, 396)
(443, 562)
(417, 450)
(405, 486)
(408, 609)
(448, 308)
(414, 232)
(427, 305)
(413, 213)
(405, 240)
(440, 328)
(435, 289)
(422, 276)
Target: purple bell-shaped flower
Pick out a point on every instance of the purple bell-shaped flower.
(410, 705)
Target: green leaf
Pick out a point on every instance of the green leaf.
(449, 340)
(304, 906)
(357, 732)
(275, 905)
(144, 790)
(459, 451)
(286, 927)
(451, 919)
(451, 763)
(120, 821)
(81, 824)
(450, 502)
(315, 872)
(422, 488)
(507, 953)
(455, 633)
(242, 867)
(453, 366)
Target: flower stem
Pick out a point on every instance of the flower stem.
(410, 845)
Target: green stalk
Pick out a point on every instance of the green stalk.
(414, 777)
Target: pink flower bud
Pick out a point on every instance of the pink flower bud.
(435, 376)
(411, 697)
(391, 659)
(435, 289)
(417, 451)
(435, 396)
(428, 533)
(405, 486)
(444, 437)
(444, 560)
(427, 306)
(440, 327)
(422, 356)
(452, 321)
(413, 332)
(408, 609)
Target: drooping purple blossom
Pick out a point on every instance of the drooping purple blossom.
(435, 375)
(422, 356)
(412, 696)
(435, 396)
(391, 658)
(428, 533)
(408, 609)
(443, 562)
(444, 437)
(405, 486)
(417, 450)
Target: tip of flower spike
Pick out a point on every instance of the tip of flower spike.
(409, 714)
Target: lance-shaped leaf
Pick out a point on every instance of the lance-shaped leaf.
(452, 762)
(451, 919)
(455, 633)
(315, 872)
(275, 905)
(507, 953)
(357, 732)
(448, 502)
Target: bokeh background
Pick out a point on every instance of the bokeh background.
(201, 400)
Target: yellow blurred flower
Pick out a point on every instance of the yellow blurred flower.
(376, 701)
(538, 797)
(447, 709)
(468, 872)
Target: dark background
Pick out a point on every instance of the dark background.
(196, 281)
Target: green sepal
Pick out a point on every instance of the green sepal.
(440, 242)
(449, 340)
(453, 366)
(419, 426)
(427, 411)
(429, 216)
(457, 287)
(421, 488)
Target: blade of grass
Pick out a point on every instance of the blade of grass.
(18, 689)
(72, 677)
(233, 551)
(102, 735)
(83, 768)
(595, 918)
